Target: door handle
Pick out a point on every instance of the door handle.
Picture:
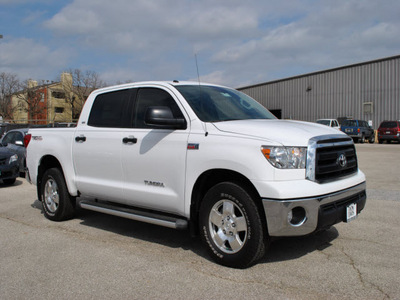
(80, 139)
(129, 140)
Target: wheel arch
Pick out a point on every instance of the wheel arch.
(209, 179)
(47, 162)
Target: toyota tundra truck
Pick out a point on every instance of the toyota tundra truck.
(202, 157)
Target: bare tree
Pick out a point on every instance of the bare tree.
(9, 85)
(77, 85)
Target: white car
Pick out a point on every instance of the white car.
(329, 122)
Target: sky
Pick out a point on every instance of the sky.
(229, 42)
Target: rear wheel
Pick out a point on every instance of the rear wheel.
(231, 226)
(362, 139)
(372, 139)
(57, 203)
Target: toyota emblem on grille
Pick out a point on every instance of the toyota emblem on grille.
(342, 160)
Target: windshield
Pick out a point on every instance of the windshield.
(216, 104)
(324, 122)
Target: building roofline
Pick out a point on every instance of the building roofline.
(320, 72)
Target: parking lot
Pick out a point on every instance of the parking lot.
(97, 256)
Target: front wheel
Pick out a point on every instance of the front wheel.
(9, 181)
(231, 226)
(57, 203)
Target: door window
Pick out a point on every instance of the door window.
(148, 97)
(110, 110)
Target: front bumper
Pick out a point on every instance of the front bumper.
(310, 214)
(9, 171)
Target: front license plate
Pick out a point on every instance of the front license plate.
(351, 212)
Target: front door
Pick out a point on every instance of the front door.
(153, 160)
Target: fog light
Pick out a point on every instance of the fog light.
(297, 216)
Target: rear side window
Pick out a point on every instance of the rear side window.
(109, 109)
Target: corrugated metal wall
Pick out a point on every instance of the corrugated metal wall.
(350, 91)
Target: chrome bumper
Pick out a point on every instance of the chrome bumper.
(295, 217)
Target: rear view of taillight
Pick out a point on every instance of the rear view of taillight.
(27, 139)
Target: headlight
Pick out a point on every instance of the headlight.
(13, 158)
(286, 157)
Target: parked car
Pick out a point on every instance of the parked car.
(389, 131)
(9, 165)
(359, 130)
(329, 122)
(14, 141)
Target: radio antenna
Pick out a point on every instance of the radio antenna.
(197, 68)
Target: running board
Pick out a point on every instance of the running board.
(135, 214)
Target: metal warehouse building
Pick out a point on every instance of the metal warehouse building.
(368, 91)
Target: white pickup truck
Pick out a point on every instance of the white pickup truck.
(198, 156)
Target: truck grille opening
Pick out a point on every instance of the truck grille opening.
(331, 158)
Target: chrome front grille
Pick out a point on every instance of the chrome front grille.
(330, 158)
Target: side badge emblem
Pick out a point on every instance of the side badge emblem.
(193, 146)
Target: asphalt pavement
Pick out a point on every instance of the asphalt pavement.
(96, 256)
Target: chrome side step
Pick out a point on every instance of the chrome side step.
(135, 214)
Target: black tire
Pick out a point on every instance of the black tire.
(362, 139)
(57, 203)
(231, 226)
(372, 139)
(380, 141)
(9, 181)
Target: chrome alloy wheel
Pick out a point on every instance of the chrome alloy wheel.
(228, 226)
(51, 196)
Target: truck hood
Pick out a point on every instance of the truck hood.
(284, 132)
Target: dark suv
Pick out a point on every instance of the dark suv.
(389, 131)
(359, 130)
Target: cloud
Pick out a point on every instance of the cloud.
(26, 57)
(236, 42)
(125, 25)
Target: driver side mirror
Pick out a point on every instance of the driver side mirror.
(162, 117)
(19, 143)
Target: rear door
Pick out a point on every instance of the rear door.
(97, 147)
(154, 159)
